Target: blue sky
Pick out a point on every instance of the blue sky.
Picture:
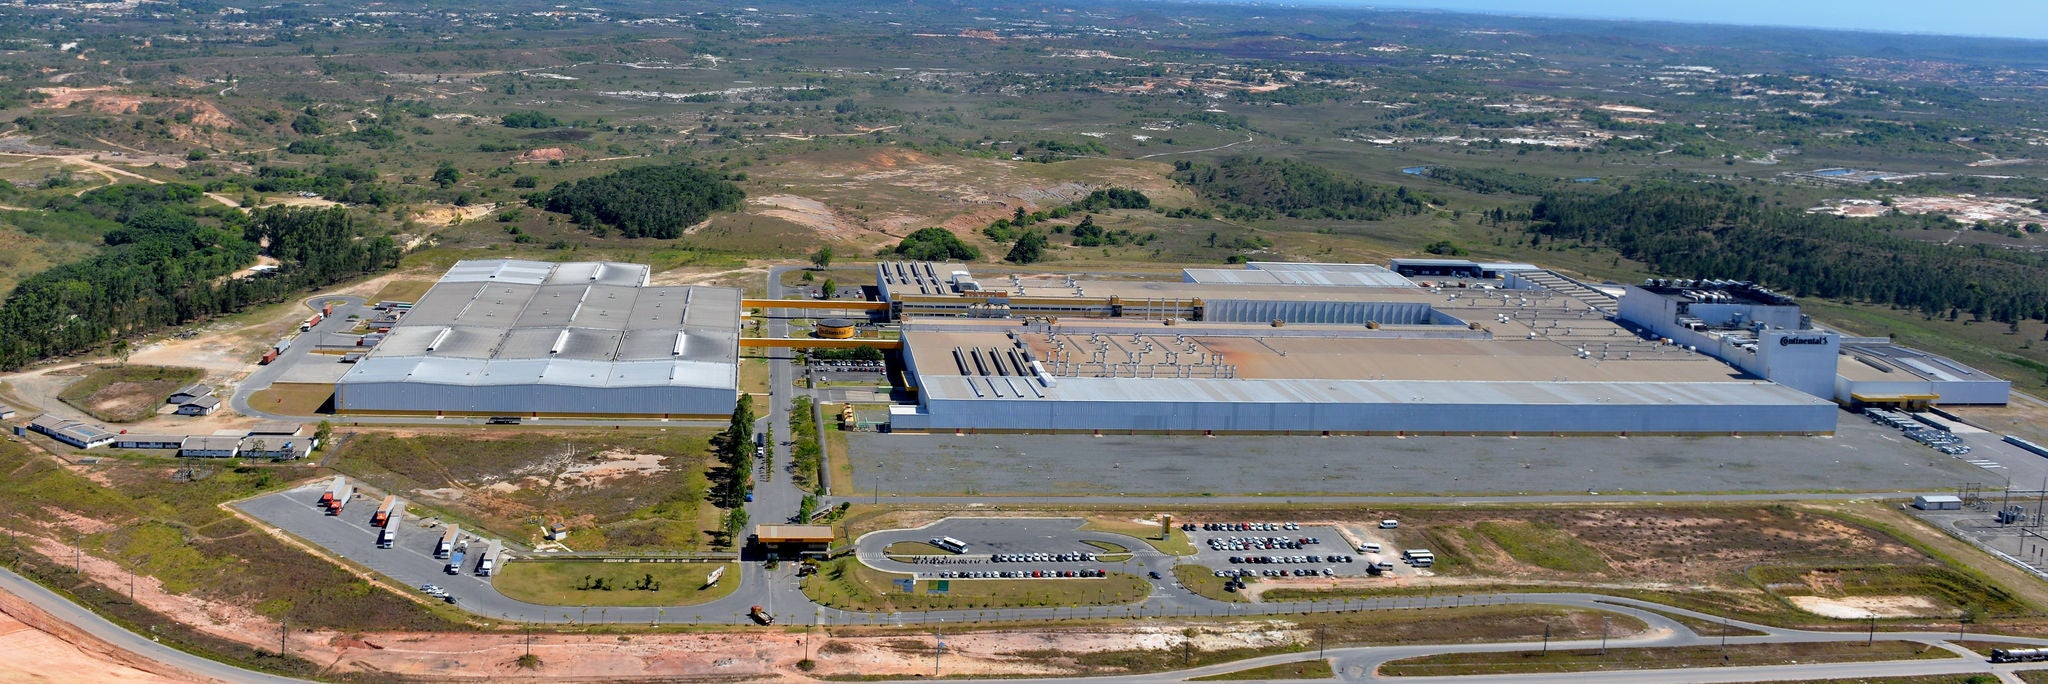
(2009, 18)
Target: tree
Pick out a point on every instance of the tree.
(830, 288)
(1030, 248)
(322, 433)
(735, 523)
(822, 258)
(446, 175)
(935, 244)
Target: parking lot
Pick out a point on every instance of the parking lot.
(1861, 457)
(1012, 548)
(1279, 550)
(411, 559)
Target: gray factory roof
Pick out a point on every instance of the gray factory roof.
(1307, 274)
(586, 323)
(1307, 391)
(1891, 358)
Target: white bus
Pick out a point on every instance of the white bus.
(950, 544)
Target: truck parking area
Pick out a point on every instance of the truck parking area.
(414, 553)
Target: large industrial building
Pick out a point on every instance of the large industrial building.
(528, 338)
(1353, 348)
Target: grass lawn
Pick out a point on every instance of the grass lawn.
(847, 585)
(1203, 581)
(1176, 542)
(555, 583)
(1544, 546)
(1591, 660)
(402, 290)
(125, 394)
(293, 398)
(915, 548)
(754, 375)
(840, 468)
(1306, 669)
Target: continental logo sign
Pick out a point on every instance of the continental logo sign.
(1790, 340)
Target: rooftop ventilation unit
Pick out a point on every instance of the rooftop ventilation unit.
(439, 338)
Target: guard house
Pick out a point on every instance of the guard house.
(792, 541)
(6, 412)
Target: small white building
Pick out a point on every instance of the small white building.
(199, 407)
(1938, 502)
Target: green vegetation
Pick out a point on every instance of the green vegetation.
(1953, 589)
(1544, 546)
(1732, 233)
(528, 120)
(164, 267)
(734, 482)
(846, 584)
(1175, 542)
(933, 244)
(575, 583)
(914, 548)
(1203, 581)
(1306, 669)
(656, 506)
(1593, 660)
(1256, 187)
(806, 454)
(647, 201)
(124, 393)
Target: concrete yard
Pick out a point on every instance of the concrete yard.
(1860, 457)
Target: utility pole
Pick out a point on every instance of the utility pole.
(1546, 638)
(283, 628)
(1603, 635)
(1322, 635)
(938, 645)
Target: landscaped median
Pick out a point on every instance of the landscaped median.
(1595, 660)
(587, 583)
(1306, 669)
(846, 584)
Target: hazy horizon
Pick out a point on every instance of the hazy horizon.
(1982, 18)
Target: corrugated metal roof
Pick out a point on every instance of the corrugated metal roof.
(521, 322)
(1297, 391)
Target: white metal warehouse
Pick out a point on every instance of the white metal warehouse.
(527, 338)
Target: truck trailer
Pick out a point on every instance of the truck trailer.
(388, 537)
(384, 510)
(455, 560)
(447, 544)
(488, 560)
(336, 495)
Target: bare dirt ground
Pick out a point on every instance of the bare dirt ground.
(448, 215)
(42, 649)
(1859, 607)
(890, 193)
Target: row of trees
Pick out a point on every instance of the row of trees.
(1718, 231)
(165, 268)
(1256, 187)
(733, 483)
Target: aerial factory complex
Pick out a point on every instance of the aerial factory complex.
(1427, 346)
(1350, 348)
